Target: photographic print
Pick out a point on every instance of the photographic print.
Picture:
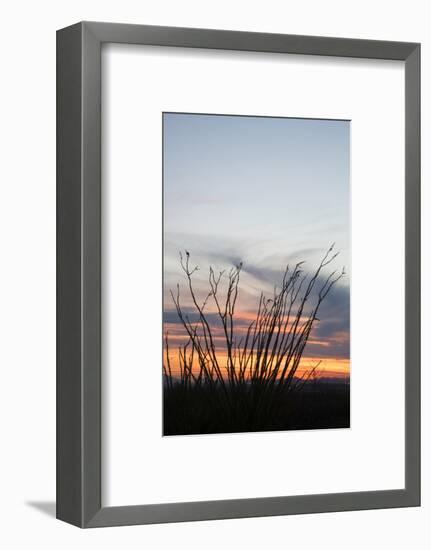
(256, 267)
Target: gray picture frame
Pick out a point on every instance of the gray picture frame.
(79, 274)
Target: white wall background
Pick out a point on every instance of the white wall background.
(27, 286)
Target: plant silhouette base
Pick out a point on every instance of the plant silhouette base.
(205, 410)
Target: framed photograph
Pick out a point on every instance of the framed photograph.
(238, 274)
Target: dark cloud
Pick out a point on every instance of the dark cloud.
(334, 325)
(213, 318)
(334, 312)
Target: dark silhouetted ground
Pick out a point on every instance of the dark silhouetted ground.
(249, 408)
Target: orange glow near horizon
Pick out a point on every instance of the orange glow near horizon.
(329, 367)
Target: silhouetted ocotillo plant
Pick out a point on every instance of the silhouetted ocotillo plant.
(262, 364)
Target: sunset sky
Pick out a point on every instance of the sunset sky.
(265, 192)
